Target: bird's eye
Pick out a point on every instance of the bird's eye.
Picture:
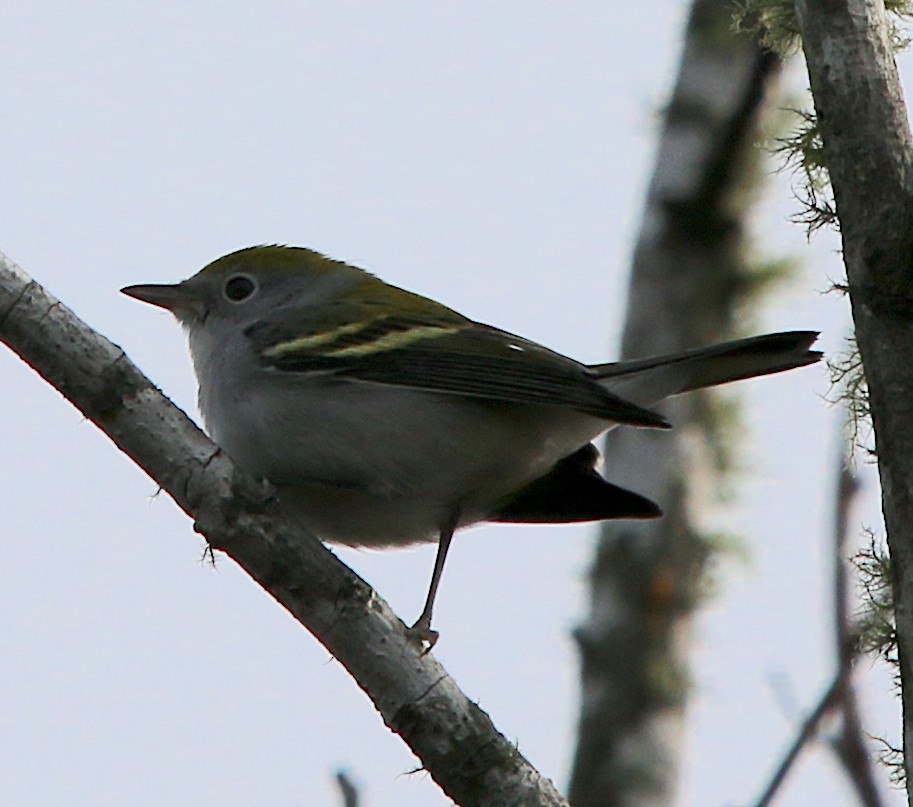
(239, 287)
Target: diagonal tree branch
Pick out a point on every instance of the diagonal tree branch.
(454, 739)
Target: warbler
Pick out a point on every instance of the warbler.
(385, 418)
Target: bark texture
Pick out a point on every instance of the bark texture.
(688, 281)
(868, 153)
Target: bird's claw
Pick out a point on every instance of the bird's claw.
(423, 633)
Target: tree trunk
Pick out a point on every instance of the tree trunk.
(689, 277)
(868, 153)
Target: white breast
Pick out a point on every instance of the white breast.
(372, 464)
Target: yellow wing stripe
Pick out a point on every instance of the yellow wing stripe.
(390, 340)
(305, 343)
(393, 340)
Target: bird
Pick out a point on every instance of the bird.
(384, 418)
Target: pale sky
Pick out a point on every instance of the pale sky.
(493, 156)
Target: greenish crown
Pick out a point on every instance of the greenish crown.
(276, 258)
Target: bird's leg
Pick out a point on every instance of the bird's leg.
(422, 627)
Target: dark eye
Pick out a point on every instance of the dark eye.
(239, 287)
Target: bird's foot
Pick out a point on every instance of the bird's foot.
(423, 633)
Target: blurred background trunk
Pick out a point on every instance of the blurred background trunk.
(690, 284)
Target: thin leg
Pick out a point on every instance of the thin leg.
(422, 627)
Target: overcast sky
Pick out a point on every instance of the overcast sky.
(493, 156)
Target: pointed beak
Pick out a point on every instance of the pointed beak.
(174, 298)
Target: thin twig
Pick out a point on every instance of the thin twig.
(807, 731)
(347, 789)
(849, 745)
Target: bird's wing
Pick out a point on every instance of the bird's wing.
(441, 351)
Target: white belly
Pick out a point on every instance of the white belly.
(369, 464)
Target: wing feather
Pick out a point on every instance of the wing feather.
(447, 354)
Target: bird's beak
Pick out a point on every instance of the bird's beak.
(175, 298)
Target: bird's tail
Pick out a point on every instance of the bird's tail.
(647, 381)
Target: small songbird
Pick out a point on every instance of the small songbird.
(384, 418)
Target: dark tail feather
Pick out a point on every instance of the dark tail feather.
(646, 381)
(574, 491)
